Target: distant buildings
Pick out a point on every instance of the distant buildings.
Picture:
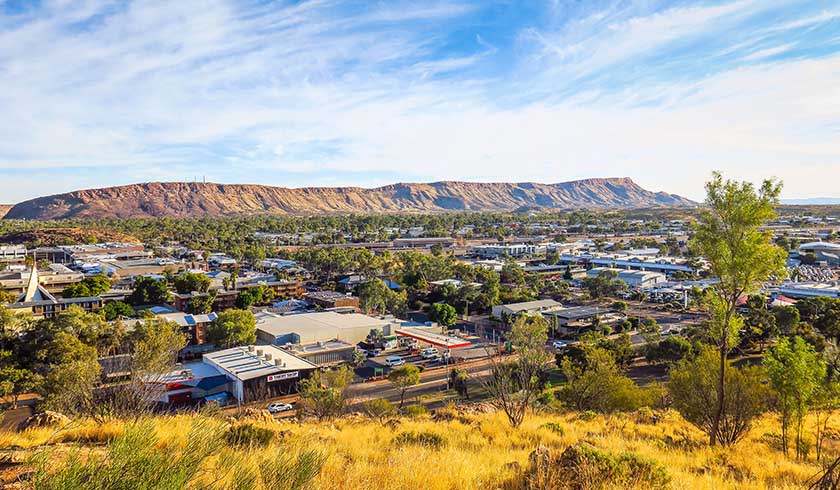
(823, 252)
(634, 279)
(36, 299)
(499, 250)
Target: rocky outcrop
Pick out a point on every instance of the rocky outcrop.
(178, 199)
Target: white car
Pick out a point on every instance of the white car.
(394, 361)
(280, 407)
(559, 344)
(429, 353)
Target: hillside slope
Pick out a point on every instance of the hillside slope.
(4, 208)
(447, 451)
(178, 199)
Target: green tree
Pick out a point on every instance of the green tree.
(404, 378)
(796, 373)
(374, 295)
(16, 381)
(116, 309)
(669, 350)
(249, 297)
(156, 343)
(459, 380)
(89, 286)
(597, 383)
(514, 385)
(694, 388)
(231, 328)
(149, 291)
(191, 281)
(742, 256)
(72, 375)
(201, 304)
(787, 318)
(324, 394)
(443, 313)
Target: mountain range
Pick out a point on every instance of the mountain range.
(181, 199)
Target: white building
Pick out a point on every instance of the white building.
(307, 328)
(808, 289)
(634, 279)
(528, 307)
(494, 251)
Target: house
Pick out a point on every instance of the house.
(527, 307)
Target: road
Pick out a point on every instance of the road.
(431, 381)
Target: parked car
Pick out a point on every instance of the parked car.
(394, 361)
(559, 344)
(429, 353)
(279, 407)
(373, 352)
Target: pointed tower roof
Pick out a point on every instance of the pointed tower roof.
(34, 291)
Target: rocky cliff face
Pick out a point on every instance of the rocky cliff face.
(4, 208)
(178, 199)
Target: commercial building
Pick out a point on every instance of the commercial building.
(665, 265)
(54, 280)
(823, 251)
(36, 299)
(634, 279)
(188, 383)
(332, 299)
(325, 353)
(808, 289)
(445, 242)
(12, 253)
(325, 326)
(257, 372)
(527, 307)
(498, 250)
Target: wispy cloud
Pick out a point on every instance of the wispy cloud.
(98, 92)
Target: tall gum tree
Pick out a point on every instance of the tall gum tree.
(742, 255)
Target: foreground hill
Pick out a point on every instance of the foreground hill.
(178, 199)
(449, 450)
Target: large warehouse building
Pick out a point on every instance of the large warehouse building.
(309, 328)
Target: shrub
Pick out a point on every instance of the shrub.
(424, 438)
(584, 467)
(248, 434)
(379, 409)
(554, 427)
(415, 410)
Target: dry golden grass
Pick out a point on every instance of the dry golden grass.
(483, 452)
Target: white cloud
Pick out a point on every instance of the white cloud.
(159, 90)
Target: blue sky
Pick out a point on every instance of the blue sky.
(300, 93)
